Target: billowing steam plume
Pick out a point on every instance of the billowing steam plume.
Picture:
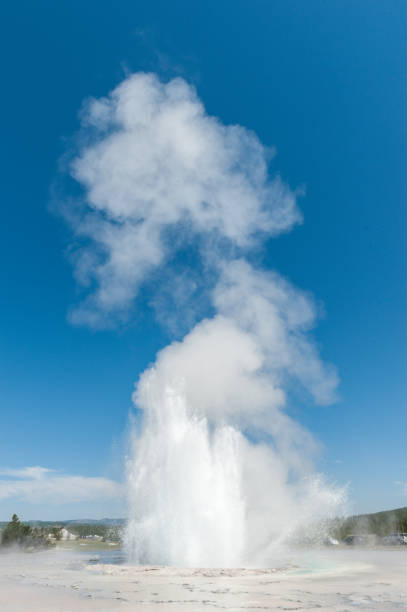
(219, 474)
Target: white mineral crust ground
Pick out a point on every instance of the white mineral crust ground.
(342, 580)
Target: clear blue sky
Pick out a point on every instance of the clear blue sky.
(323, 82)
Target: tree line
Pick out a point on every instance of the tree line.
(19, 534)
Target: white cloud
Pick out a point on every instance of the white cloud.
(33, 472)
(43, 485)
(153, 162)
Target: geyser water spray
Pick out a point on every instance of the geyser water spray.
(218, 473)
(185, 483)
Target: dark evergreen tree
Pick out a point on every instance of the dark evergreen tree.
(16, 533)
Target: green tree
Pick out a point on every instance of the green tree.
(23, 535)
(15, 532)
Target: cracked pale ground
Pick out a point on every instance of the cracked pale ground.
(342, 580)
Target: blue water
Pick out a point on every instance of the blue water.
(108, 557)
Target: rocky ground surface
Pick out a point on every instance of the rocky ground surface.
(339, 580)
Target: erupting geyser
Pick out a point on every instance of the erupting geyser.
(185, 485)
(219, 474)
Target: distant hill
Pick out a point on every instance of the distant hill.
(104, 521)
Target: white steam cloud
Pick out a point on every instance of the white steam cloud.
(219, 473)
(154, 162)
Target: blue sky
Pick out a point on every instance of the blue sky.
(325, 84)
